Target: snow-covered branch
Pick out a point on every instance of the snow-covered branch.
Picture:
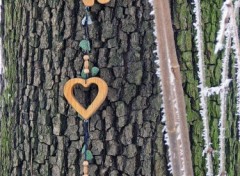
(177, 135)
(223, 23)
(230, 33)
(209, 91)
(236, 49)
(202, 87)
(223, 101)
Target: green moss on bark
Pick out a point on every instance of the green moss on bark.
(12, 22)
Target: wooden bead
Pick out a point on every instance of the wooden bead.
(86, 71)
(85, 163)
(85, 168)
(86, 57)
(86, 64)
(88, 2)
(103, 1)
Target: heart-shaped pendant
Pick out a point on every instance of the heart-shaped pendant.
(91, 2)
(97, 102)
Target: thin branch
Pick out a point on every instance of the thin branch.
(223, 23)
(226, 29)
(237, 6)
(236, 49)
(203, 98)
(209, 91)
(223, 101)
(173, 98)
(231, 32)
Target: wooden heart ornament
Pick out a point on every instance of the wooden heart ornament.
(91, 2)
(97, 102)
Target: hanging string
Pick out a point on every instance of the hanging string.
(86, 70)
(86, 27)
(86, 47)
(87, 51)
(86, 137)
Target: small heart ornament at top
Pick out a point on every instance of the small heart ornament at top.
(97, 102)
(90, 3)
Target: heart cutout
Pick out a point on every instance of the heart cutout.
(97, 102)
(91, 2)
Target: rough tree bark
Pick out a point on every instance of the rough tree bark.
(40, 133)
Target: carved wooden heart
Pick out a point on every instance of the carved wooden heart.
(97, 102)
(91, 2)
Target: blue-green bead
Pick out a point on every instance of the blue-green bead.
(95, 71)
(85, 45)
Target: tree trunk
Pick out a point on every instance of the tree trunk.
(40, 133)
